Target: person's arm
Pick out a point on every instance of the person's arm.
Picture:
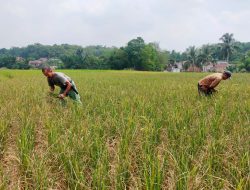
(214, 83)
(52, 88)
(64, 94)
(51, 85)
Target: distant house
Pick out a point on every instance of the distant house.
(208, 68)
(176, 67)
(179, 65)
(19, 59)
(38, 63)
(176, 70)
(43, 59)
(220, 66)
(194, 69)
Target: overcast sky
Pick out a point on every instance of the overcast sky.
(175, 24)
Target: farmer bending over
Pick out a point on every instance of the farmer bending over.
(206, 85)
(67, 85)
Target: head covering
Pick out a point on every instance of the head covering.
(228, 73)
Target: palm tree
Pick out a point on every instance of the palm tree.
(205, 55)
(192, 55)
(228, 45)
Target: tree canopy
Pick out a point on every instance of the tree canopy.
(137, 55)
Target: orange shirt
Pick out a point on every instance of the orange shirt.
(211, 81)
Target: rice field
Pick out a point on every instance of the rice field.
(135, 130)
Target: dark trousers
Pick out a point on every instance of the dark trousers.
(205, 91)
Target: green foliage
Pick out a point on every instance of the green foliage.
(134, 50)
(228, 46)
(150, 59)
(7, 61)
(139, 56)
(245, 66)
(119, 59)
(55, 62)
(175, 57)
(232, 68)
(136, 55)
(205, 55)
(10, 62)
(193, 56)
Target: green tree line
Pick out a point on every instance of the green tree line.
(136, 55)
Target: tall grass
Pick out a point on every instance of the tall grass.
(135, 130)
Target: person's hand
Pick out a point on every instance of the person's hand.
(52, 89)
(61, 96)
(214, 90)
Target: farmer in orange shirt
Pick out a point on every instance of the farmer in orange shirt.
(206, 85)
